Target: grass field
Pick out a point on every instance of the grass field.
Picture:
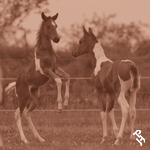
(71, 130)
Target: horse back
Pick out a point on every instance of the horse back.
(107, 78)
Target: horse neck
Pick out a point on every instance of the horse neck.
(44, 44)
(98, 55)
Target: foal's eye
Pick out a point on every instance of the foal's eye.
(80, 42)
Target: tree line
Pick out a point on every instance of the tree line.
(119, 40)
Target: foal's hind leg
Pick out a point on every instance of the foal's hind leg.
(23, 95)
(111, 99)
(28, 111)
(1, 142)
(18, 122)
(125, 85)
(132, 112)
(27, 114)
(112, 117)
(104, 122)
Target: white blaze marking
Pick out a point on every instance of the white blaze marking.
(53, 23)
(37, 65)
(100, 57)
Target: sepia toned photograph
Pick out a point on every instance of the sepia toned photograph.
(74, 75)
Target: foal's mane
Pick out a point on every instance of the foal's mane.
(38, 36)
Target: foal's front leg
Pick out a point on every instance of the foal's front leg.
(66, 94)
(101, 98)
(59, 98)
(61, 73)
(49, 73)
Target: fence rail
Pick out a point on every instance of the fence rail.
(80, 78)
(83, 58)
(71, 110)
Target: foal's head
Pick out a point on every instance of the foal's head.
(86, 43)
(49, 27)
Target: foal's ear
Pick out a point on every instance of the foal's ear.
(90, 30)
(92, 34)
(84, 31)
(43, 16)
(55, 17)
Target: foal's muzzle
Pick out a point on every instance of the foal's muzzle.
(56, 39)
(74, 53)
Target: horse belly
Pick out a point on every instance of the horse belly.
(33, 77)
(37, 79)
(97, 83)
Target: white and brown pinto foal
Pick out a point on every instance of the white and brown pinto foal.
(41, 68)
(112, 80)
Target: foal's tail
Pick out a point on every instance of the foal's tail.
(6, 89)
(135, 78)
(9, 87)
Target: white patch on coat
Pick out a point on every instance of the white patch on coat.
(37, 65)
(127, 61)
(100, 57)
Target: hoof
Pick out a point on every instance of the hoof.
(1, 143)
(117, 142)
(132, 142)
(116, 132)
(103, 140)
(65, 106)
(59, 110)
(41, 140)
(26, 142)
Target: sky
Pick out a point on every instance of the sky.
(73, 11)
